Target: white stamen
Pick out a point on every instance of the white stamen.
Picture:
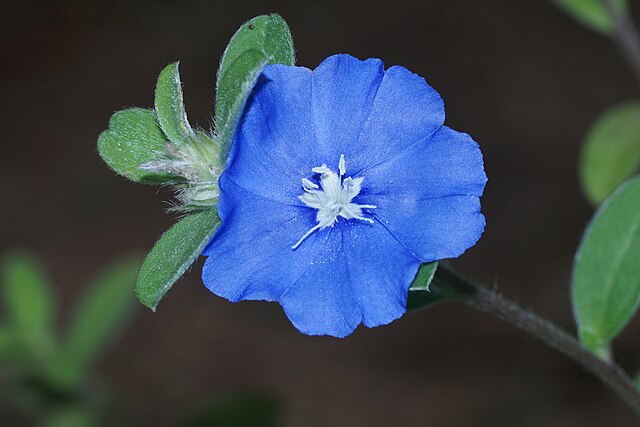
(308, 185)
(334, 199)
(321, 169)
(307, 234)
(342, 165)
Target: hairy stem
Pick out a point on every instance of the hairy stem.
(458, 288)
(626, 35)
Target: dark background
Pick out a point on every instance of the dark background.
(520, 76)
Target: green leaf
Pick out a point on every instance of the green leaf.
(593, 14)
(606, 275)
(611, 152)
(133, 137)
(266, 33)
(169, 104)
(424, 291)
(240, 78)
(269, 41)
(29, 303)
(100, 316)
(173, 254)
(247, 410)
(436, 283)
(424, 277)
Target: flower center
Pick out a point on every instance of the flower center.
(333, 198)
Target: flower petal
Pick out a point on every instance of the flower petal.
(362, 275)
(381, 270)
(406, 110)
(250, 256)
(428, 195)
(433, 229)
(345, 106)
(448, 163)
(270, 152)
(344, 90)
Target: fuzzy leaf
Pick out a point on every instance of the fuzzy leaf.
(268, 39)
(169, 104)
(611, 152)
(173, 254)
(100, 316)
(592, 13)
(266, 33)
(133, 137)
(606, 275)
(29, 303)
(239, 79)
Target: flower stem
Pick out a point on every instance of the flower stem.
(626, 35)
(452, 286)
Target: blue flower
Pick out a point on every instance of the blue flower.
(340, 183)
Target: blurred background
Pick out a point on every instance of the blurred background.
(521, 77)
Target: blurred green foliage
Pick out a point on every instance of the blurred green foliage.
(611, 152)
(594, 13)
(48, 372)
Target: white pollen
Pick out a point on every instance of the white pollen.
(333, 198)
